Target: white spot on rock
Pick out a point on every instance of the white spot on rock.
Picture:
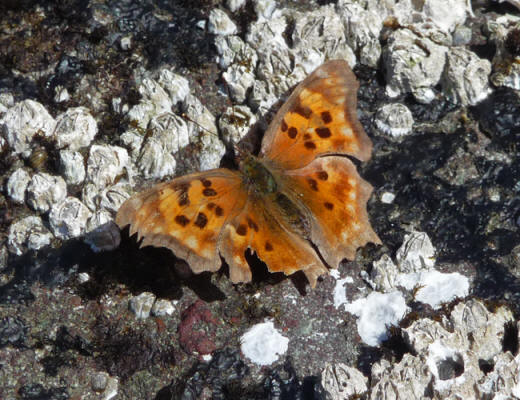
(376, 313)
(263, 344)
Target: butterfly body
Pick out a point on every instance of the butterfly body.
(300, 194)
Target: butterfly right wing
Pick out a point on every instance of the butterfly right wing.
(187, 215)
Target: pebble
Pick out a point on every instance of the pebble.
(44, 191)
(17, 185)
(72, 167)
(22, 122)
(142, 304)
(102, 232)
(395, 120)
(27, 233)
(162, 307)
(75, 128)
(68, 218)
(220, 24)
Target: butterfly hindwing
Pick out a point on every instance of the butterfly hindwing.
(263, 228)
(335, 197)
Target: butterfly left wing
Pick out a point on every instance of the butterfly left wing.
(320, 117)
(186, 215)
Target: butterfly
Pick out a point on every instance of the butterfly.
(300, 205)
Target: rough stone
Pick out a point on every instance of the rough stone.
(235, 123)
(75, 128)
(342, 382)
(27, 233)
(141, 305)
(45, 190)
(22, 122)
(465, 79)
(102, 234)
(162, 307)
(154, 101)
(394, 119)
(68, 218)
(168, 135)
(105, 164)
(175, 85)
(416, 253)
(72, 167)
(220, 24)
(17, 185)
(413, 63)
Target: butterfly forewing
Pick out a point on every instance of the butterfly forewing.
(318, 118)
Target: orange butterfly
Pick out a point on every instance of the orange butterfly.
(299, 191)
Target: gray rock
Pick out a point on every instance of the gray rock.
(6, 102)
(162, 307)
(175, 85)
(102, 232)
(132, 139)
(112, 197)
(68, 219)
(342, 382)
(394, 119)
(61, 94)
(465, 79)
(384, 273)
(322, 29)
(22, 122)
(239, 80)
(72, 167)
(44, 191)
(105, 164)
(446, 356)
(413, 63)
(154, 101)
(416, 253)
(75, 128)
(506, 69)
(99, 381)
(459, 169)
(265, 9)
(168, 134)
(362, 31)
(17, 185)
(220, 24)
(235, 123)
(232, 49)
(28, 233)
(447, 14)
(141, 305)
(4, 255)
(407, 379)
(202, 137)
(235, 5)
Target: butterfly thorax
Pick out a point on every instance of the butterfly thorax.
(262, 184)
(257, 177)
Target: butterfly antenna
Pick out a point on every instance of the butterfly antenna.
(185, 116)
